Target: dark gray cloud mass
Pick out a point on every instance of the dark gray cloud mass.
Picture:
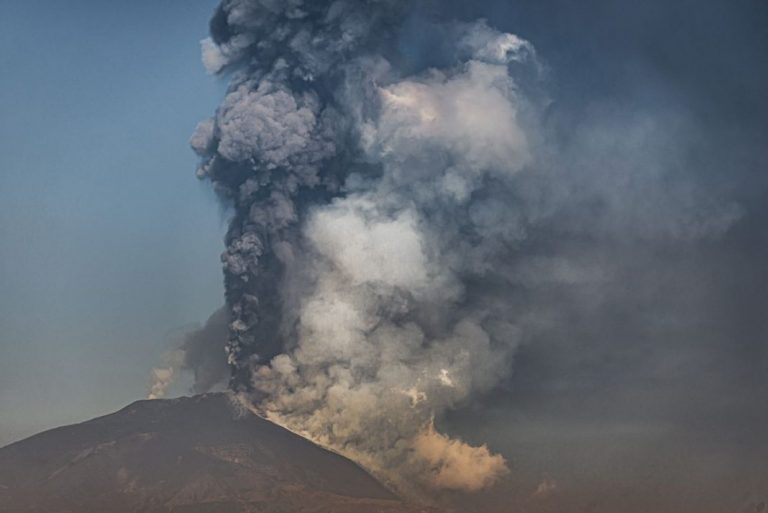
(544, 230)
(203, 352)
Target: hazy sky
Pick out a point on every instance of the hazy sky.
(108, 244)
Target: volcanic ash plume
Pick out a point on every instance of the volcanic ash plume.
(371, 221)
(200, 353)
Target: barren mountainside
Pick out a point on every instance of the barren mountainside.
(188, 455)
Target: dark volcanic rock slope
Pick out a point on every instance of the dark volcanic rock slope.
(189, 455)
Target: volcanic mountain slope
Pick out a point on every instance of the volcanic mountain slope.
(188, 455)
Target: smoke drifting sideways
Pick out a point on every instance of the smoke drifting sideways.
(201, 353)
(383, 213)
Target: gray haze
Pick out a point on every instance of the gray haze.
(542, 230)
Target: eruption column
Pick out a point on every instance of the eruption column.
(372, 207)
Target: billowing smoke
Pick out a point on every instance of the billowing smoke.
(163, 377)
(366, 204)
(200, 352)
(381, 211)
(203, 352)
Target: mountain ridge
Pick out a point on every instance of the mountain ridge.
(199, 454)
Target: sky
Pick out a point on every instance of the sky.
(109, 244)
(639, 289)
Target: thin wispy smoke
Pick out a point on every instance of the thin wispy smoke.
(163, 377)
(383, 210)
(199, 352)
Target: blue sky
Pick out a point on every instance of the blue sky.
(109, 246)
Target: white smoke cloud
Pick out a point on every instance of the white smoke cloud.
(212, 55)
(380, 335)
(202, 138)
(368, 206)
(362, 357)
(217, 56)
(465, 124)
(489, 45)
(163, 377)
(369, 249)
(456, 465)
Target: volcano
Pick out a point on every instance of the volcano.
(200, 454)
